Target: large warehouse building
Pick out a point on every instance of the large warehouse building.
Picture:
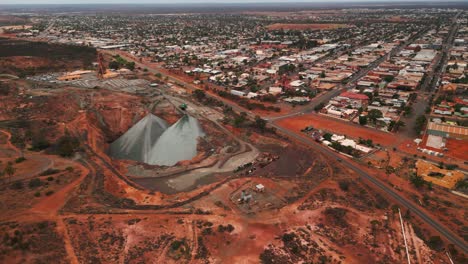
(447, 131)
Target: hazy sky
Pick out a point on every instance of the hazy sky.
(183, 1)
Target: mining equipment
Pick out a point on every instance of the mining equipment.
(101, 68)
(183, 107)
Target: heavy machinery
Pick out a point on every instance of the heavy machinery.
(183, 106)
(245, 197)
(101, 67)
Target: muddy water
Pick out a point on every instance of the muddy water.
(179, 183)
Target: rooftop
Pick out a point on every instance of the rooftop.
(356, 96)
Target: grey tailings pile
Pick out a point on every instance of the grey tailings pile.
(178, 142)
(136, 143)
(152, 142)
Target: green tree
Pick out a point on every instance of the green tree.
(9, 170)
(39, 141)
(319, 106)
(417, 180)
(240, 119)
(370, 95)
(407, 110)
(67, 145)
(130, 66)
(436, 243)
(362, 120)
(260, 123)
(199, 94)
(327, 136)
(419, 124)
(373, 115)
(114, 65)
(388, 79)
(399, 124)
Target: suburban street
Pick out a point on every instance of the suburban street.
(273, 131)
(452, 238)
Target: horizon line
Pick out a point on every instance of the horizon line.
(249, 2)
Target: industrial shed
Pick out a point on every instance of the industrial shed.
(447, 131)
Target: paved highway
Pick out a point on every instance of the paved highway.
(452, 238)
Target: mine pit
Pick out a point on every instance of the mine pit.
(160, 147)
(138, 166)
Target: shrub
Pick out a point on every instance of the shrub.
(49, 193)
(20, 159)
(230, 228)
(288, 237)
(207, 231)
(49, 172)
(36, 182)
(362, 120)
(327, 136)
(50, 178)
(416, 180)
(337, 215)
(319, 107)
(67, 145)
(451, 166)
(17, 185)
(39, 143)
(37, 194)
(176, 244)
(344, 185)
(419, 124)
(435, 242)
(42, 225)
(220, 228)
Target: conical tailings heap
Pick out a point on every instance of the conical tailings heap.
(178, 142)
(152, 142)
(137, 142)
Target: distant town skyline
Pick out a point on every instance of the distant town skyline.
(199, 1)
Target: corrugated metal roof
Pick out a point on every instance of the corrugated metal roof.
(435, 127)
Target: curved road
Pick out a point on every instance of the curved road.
(452, 238)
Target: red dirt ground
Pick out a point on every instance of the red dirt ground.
(455, 155)
(94, 230)
(398, 19)
(354, 131)
(24, 62)
(457, 148)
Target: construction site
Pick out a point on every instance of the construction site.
(122, 166)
